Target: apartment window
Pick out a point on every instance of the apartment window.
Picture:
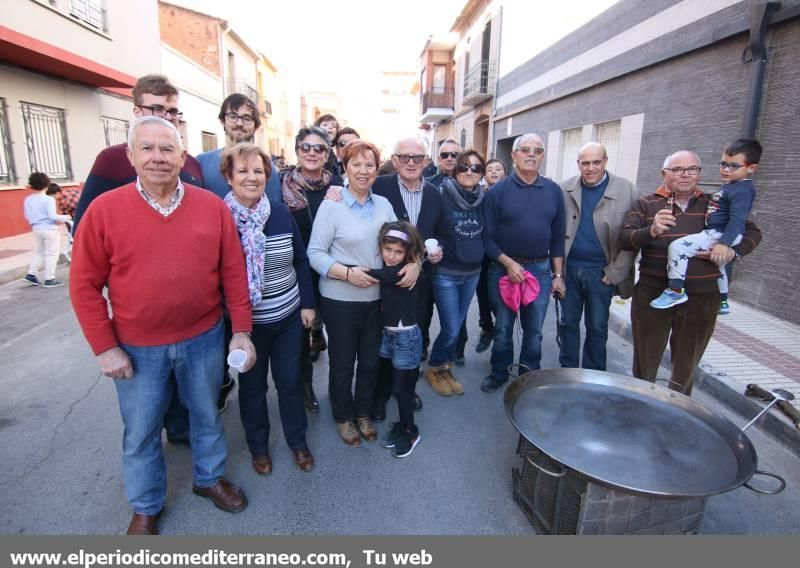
(89, 11)
(608, 134)
(463, 138)
(571, 142)
(46, 139)
(209, 141)
(8, 173)
(268, 107)
(116, 131)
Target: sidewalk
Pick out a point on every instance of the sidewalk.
(748, 346)
(16, 254)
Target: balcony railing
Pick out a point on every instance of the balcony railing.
(243, 87)
(437, 103)
(480, 82)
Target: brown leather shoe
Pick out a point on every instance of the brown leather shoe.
(262, 464)
(225, 495)
(304, 459)
(143, 524)
(349, 433)
(367, 429)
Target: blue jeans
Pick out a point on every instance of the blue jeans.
(403, 347)
(587, 296)
(143, 401)
(531, 319)
(453, 295)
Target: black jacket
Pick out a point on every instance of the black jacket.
(398, 304)
(387, 186)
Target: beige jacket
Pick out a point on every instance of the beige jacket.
(609, 217)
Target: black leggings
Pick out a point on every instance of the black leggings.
(403, 384)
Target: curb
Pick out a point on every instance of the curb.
(17, 273)
(718, 384)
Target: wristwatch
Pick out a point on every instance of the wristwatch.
(556, 274)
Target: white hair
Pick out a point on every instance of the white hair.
(418, 140)
(154, 120)
(518, 140)
(669, 158)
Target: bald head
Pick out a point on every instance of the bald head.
(592, 162)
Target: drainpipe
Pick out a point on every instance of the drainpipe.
(759, 16)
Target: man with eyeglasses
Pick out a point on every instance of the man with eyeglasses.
(525, 222)
(153, 95)
(418, 202)
(677, 208)
(240, 120)
(596, 203)
(449, 150)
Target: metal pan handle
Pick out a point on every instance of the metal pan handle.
(781, 483)
(550, 473)
(514, 366)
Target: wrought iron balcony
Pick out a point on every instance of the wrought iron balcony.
(437, 104)
(479, 83)
(243, 87)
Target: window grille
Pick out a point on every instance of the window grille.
(46, 140)
(89, 11)
(116, 131)
(571, 142)
(8, 173)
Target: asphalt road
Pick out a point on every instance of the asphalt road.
(60, 440)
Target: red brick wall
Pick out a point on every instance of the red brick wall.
(194, 35)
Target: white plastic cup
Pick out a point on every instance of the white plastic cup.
(431, 245)
(237, 358)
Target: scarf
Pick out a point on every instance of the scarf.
(294, 184)
(456, 193)
(250, 224)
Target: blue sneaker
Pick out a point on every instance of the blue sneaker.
(669, 298)
(31, 279)
(724, 308)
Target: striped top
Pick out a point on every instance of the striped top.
(411, 199)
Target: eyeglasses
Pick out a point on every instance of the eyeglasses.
(162, 112)
(234, 118)
(595, 163)
(404, 158)
(305, 147)
(445, 155)
(732, 166)
(474, 168)
(528, 150)
(691, 170)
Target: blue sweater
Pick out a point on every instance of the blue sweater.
(586, 249)
(216, 182)
(525, 220)
(729, 208)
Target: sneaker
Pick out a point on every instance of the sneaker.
(455, 387)
(227, 387)
(52, 283)
(669, 298)
(31, 279)
(406, 443)
(724, 308)
(484, 341)
(437, 378)
(491, 383)
(391, 437)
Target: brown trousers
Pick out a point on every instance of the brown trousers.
(688, 327)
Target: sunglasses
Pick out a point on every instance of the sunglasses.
(404, 158)
(474, 168)
(445, 155)
(343, 143)
(305, 147)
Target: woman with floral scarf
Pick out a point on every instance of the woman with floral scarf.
(282, 297)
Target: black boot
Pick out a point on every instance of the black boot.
(309, 398)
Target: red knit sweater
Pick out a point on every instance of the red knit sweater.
(165, 275)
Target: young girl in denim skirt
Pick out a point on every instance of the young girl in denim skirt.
(400, 244)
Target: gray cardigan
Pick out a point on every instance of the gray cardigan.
(339, 235)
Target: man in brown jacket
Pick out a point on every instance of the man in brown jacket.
(676, 209)
(596, 203)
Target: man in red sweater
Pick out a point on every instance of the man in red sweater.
(167, 251)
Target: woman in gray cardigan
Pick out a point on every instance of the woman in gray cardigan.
(344, 243)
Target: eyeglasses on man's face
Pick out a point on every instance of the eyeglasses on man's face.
(691, 170)
(305, 147)
(731, 166)
(162, 112)
(451, 155)
(233, 118)
(416, 158)
(527, 150)
(474, 168)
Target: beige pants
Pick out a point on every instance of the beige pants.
(48, 243)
